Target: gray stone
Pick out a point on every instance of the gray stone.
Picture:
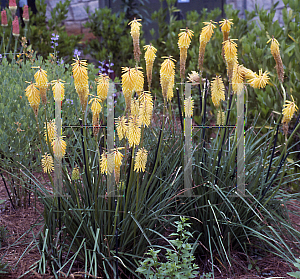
(93, 5)
(79, 12)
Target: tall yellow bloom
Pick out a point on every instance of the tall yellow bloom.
(205, 36)
(167, 73)
(141, 160)
(225, 28)
(122, 127)
(260, 81)
(42, 83)
(128, 85)
(237, 79)
(135, 34)
(149, 57)
(58, 89)
(102, 87)
(50, 131)
(276, 54)
(217, 91)
(81, 81)
(188, 107)
(170, 92)
(107, 162)
(220, 118)
(59, 147)
(118, 156)
(135, 105)
(184, 41)
(75, 173)
(138, 79)
(47, 163)
(288, 111)
(194, 78)
(230, 54)
(96, 109)
(33, 95)
(146, 108)
(134, 131)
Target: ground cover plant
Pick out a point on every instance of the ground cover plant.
(117, 163)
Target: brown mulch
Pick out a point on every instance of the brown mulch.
(24, 223)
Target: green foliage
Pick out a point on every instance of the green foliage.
(41, 30)
(4, 234)
(179, 262)
(112, 38)
(295, 274)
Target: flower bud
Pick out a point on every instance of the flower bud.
(12, 7)
(16, 28)
(25, 13)
(4, 18)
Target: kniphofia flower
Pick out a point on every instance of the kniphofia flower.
(50, 131)
(146, 108)
(140, 160)
(58, 89)
(225, 28)
(75, 173)
(4, 18)
(188, 107)
(217, 91)
(230, 54)
(107, 163)
(12, 5)
(25, 13)
(138, 79)
(16, 27)
(205, 36)
(149, 57)
(135, 34)
(237, 79)
(184, 42)
(59, 147)
(128, 85)
(33, 95)
(288, 111)
(220, 118)
(102, 86)
(167, 73)
(42, 83)
(47, 163)
(81, 81)
(134, 109)
(134, 131)
(118, 156)
(276, 54)
(194, 78)
(96, 109)
(122, 127)
(260, 81)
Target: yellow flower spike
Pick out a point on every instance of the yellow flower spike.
(276, 54)
(59, 147)
(140, 160)
(75, 173)
(81, 83)
(134, 131)
(102, 87)
(237, 79)
(194, 78)
(135, 34)
(103, 163)
(217, 91)
(145, 109)
(96, 109)
(42, 83)
(47, 163)
(58, 89)
(221, 118)
(230, 54)
(134, 109)
(167, 73)
(188, 107)
(260, 81)
(50, 131)
(149, 57)
(225, 28)
(184, 41)
(288, 111)
(204, 38)
(170, 92)
(247, 73)
(33, 95)
(122, 127)
(128, 85)
(118, 162)
(138, 79)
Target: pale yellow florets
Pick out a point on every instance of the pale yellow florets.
(122, 127)
(59, 147)
(47, 163)
(102, 86)
(217, 91)
(260, 81)
(188, 107)
(33, 95)
(128, 85)
(149, 57)
(140, 160)
(58, 89)
(145, 109)
(134, 131)
(237, 79)
(184, 41)
(50, 131)
(288, 111)
(167, 73)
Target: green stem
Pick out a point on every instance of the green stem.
(15, 48)
(2, 41)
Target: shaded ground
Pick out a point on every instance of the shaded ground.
(23, 225)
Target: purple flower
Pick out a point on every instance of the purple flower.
(55, 37)
(69, 101)
(0, 56)
(110, 71)
(76, 52)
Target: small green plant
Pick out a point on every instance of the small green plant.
(295, 274)
(179, 261)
